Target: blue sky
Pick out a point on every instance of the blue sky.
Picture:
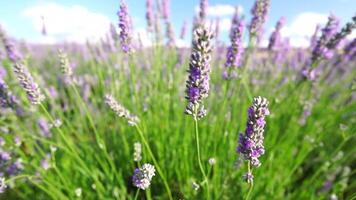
(75, 20)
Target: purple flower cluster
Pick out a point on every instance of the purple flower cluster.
(183, 30)
(170, 34)
(197, 85)
(350, 51)
(9, 164)
(125, 28)
(165, 9)
(149, 14)
(11, 51)
(251, 142)
(142, 176)
(26, 81)
(203, 10)
(259, 13)
(275, 39)
(235, 51)
(346, 30)
(7, 99)
(320, 50)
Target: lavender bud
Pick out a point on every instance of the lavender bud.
(203, 11)
(142, 176)
(259, 13)
(275, 39)
(346, 30)
(65, 67)
(251, 142)
(120, 110)
(137, 152)
(183, 30)
(125, 28)
(234, 52)
(320, 50)
(11, 51)
(248, 177)
(149, 14)
(165, 9)
(27, 83)
(170, 35)
(197, 85)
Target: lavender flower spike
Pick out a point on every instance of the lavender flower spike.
(234, 52)
(250, 145)
(142, 176)
(149, 14)
(275, 39)
(26, 81)
(346, 30)
(203, 10)
(125, 28)
(320, 50)
(197, 85)
(65, 67)
(120, 110)
(259, 13)
(12, 54)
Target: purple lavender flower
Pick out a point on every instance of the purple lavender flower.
(149, 14)
(259, 13)
(320, 50)
(11, 51)
(275, 39)
(314, 38)
(346, 30)
(170, 35)
(250, 145)
(26, 81)
(199, 68)
(235, 51)
(44, 30)
(165, 9)
(15, 168)
(203, 11)
(125, 28)
(350, 50)
(235, 21)
(142, 176)
(44, 127)
(183, 30)
(113, 33)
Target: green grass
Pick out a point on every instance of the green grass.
(95, 147)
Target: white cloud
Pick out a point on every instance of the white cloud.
(302, 28)
(67, 23)
(221, 10)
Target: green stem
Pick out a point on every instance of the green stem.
(144, 141)
(251, 183)
(199, 158)
(136, 195)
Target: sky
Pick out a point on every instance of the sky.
(77, 20)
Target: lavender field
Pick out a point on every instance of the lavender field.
(120, 119)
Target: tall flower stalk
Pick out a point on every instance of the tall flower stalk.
(125, 28)
(122, 112)
(250, 146)
(197, 85)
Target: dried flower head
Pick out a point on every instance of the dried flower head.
(142, 176)
(137, 152)
(120, 110)
(28, 84)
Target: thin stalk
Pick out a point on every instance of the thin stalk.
(251, 183)
(144, 141)
(199, 158)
